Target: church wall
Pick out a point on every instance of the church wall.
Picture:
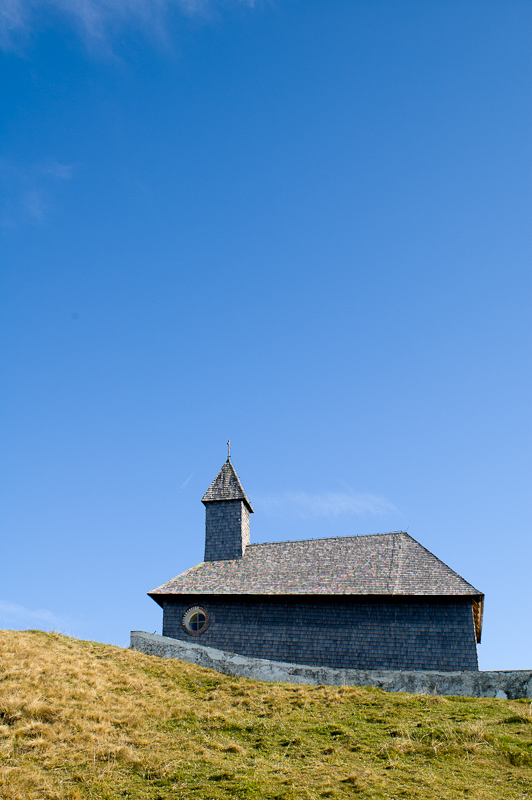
(350, 633)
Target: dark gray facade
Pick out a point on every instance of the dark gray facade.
(226, 530)
(351, 633)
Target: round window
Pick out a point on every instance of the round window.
(195, 619)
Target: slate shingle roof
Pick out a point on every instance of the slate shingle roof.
(226, 486)
(379, 564)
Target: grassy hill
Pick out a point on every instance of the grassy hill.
(86, 720)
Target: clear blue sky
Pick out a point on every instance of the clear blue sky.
(302, 225)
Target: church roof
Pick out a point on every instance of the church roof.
(379, 564)
(226, 486)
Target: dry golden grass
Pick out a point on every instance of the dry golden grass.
(84, 720)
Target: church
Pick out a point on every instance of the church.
(355, 602)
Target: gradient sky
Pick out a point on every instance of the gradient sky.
(301, 225)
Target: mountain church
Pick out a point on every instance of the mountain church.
(358, 602)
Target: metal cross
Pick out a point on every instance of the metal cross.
(228, 449)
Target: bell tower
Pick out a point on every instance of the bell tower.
(227, 511)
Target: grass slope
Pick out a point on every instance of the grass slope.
(86, 720)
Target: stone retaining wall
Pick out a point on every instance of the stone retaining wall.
(505, 685)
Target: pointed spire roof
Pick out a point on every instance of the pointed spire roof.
(226, 486)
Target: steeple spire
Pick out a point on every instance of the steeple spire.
(226, 486)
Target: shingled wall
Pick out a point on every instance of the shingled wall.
(226, 530)
(350, 633)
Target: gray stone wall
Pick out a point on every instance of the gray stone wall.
(341, 632)
(504, 685)
(226, 530)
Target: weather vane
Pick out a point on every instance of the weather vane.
(228, 449)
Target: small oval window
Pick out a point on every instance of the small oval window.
(195, 619)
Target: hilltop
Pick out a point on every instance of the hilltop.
(85, 720)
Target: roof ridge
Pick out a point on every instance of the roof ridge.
(329, 538)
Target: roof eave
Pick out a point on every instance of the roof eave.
(156, 593)
(159, 598)
(243, 499)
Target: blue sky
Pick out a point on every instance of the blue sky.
(304, 226)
